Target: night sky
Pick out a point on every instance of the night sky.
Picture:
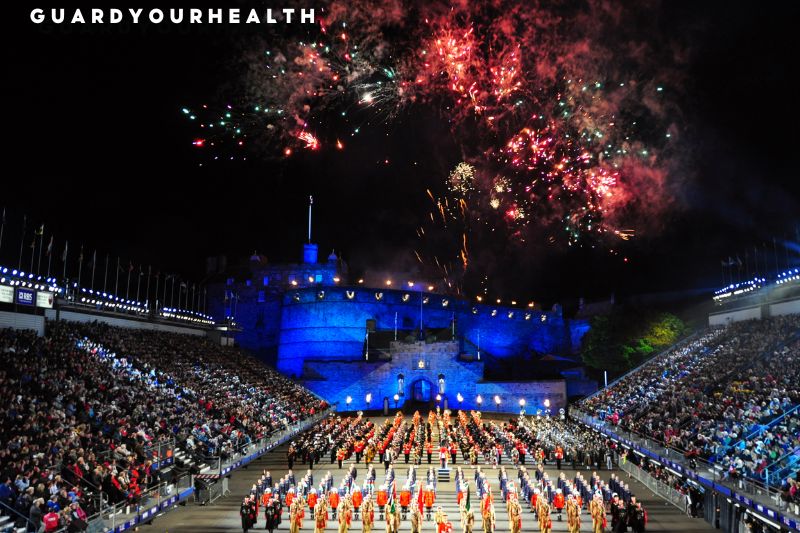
(97, 149)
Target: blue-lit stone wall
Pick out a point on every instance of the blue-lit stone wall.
(337, 380)
(330, 324)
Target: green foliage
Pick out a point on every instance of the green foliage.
(623, 340)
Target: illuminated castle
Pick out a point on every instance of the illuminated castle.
(367, 343)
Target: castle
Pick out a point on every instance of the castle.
(368, 345)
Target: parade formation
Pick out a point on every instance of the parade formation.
(492, 463)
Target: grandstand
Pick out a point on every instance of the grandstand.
(107, 427)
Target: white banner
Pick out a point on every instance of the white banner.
(44, 299)
(6, 294)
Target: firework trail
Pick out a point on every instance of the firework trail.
(564, 114)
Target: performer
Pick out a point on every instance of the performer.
(245, 511)
(416, 519)
(573, 515)
(392, 519)
(320, 516)
(345, 515)
(597, 510)
(333, 501)
(469, 521)
(559, 502)
(487, 514)
(271, 515)
(356, 499)
(296, 514)
(428, 498)
(514, 515)
(441, 520)
(543, 512)
(367, 514)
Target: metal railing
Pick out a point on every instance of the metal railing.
(15, 516)
(657, 486)
(151, 502)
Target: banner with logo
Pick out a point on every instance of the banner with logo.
(26, 296)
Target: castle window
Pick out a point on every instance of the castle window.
(266, 281)
(261, 298)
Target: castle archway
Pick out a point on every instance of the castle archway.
(421, 390)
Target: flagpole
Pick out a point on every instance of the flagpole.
(64, 260)
(172, 292)
(775, 252)
(2, 228)
(164, 299)
(205, 293)
(80, 266)
(41, 245)
(22, 241)
(116, 279)
(33, 252)
(128, 285)
(139, 283)
(94, 264)
(49, 255)
(105, 276)
(148, 288)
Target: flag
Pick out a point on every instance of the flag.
(64, 255)
(183, 285)
(419, 498)
(40, 231)
(50, 246)
(130, 266)
(80, 256)
(466, 505)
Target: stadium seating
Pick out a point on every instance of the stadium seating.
(730, 397)
(87, 401)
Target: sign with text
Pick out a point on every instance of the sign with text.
(26, 296)
(44, 299)
(6, 294)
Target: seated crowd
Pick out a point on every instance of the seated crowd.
(721, 397)
(83, 406)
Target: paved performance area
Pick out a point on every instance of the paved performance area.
(223, 514)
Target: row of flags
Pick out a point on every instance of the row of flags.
(39, 250)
